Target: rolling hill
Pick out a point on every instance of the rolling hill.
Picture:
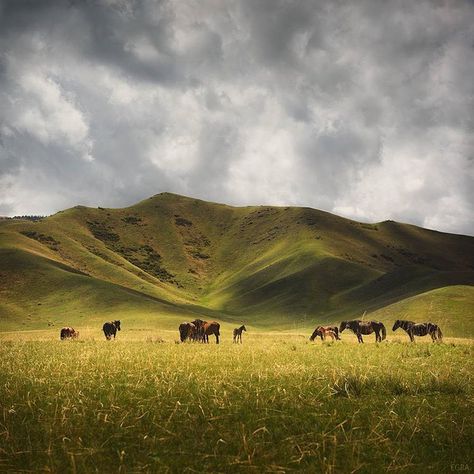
(170, 258)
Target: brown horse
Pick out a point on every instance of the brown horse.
(199, 333)
(237, 334)
(321, 331)
(209, 328)
(187, 331)
(68, 333)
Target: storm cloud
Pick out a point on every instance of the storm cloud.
(364, 109)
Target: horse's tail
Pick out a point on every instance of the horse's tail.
(336, 333)
(439, 333)
(384, 331)
(218, 326)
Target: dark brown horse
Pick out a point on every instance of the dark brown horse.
(419, 329)
(209, 328)
(238, 334)
(199, 333)
(110, 329)
(322, 330)
(68, 333)
(359, 327)
(187, 331)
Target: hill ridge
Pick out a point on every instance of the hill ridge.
(271, 264)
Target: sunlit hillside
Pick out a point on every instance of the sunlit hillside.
(171, 257)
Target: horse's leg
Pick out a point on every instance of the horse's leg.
(412, 337)
(359, 337)
(217, 339)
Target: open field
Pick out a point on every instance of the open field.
(277, 403)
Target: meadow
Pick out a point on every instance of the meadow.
(277, 403)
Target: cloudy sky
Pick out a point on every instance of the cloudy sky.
(364, 109)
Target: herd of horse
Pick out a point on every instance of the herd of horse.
(360, 328)
(199, 330)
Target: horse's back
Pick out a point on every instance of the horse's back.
(109, 328)
(212, 327)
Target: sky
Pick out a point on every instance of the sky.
(364, 109)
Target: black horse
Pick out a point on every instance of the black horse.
(187, 331)
(110, 329)
(359, 327)
(419, 329)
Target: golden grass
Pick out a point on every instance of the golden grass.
(276, 403)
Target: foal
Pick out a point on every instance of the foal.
(238, 334)
(321, 331)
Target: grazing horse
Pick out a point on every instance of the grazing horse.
(322, 330)
(210, 328)
(187, 331)
(359, 327)
(238, 334)
(68, 333)
(199, 333)
(110, 329)
(419, 329)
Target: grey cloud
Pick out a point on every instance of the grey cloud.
(364, 109)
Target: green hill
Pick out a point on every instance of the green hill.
(171, 257)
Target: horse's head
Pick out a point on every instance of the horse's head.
(396, 325)
(117, 324)
(244, 328)
(315, 334)
(343, 326)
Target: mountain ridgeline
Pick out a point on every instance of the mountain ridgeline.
(170, 257)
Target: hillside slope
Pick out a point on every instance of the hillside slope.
(171, 257)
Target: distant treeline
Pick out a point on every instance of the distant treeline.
(25, 218)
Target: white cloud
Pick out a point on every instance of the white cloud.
(43, 110)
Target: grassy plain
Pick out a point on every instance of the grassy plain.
(278, 403)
